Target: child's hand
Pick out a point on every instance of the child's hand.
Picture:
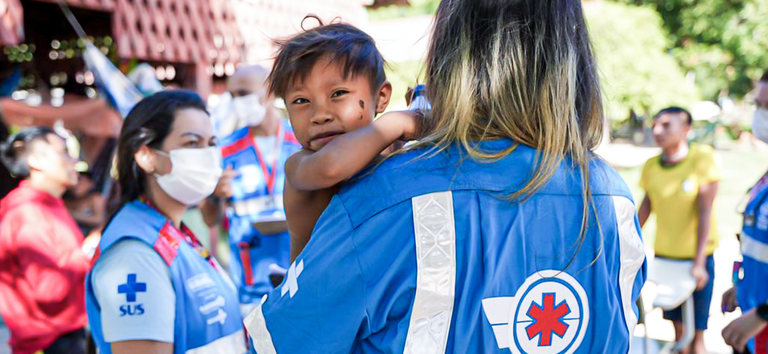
(406, 123)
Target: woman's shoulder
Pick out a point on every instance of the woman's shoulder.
(128, 254)
(605, 180)
(423, 171)
(702, 152)
(135, 219)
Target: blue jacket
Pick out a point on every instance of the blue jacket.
(427, 254)
(200, 327)
(753, 289)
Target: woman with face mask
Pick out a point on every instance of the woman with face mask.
(153, 287)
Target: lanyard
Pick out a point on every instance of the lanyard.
(189, 236)
(270, 176)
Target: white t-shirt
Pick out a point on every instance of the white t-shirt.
(133, 287)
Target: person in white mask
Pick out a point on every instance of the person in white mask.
(245, 104)
(153, 287)
(251, 187)
(749, 333)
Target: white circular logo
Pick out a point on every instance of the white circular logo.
(688, 186)
(550, 316)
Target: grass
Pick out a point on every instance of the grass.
(741, 169)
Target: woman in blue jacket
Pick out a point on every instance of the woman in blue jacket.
(153, 287)
(499, 231)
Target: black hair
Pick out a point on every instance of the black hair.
(16, 149)
(148, 123)
(675, 110)
(764, 78)
(339, 42)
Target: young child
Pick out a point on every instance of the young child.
(333, 83)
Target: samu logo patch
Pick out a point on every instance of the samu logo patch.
(549, 314)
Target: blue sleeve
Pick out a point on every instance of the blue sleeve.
(642, 273)
(133, 287)
(320, 307)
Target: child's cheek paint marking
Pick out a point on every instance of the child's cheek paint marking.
(362, 105)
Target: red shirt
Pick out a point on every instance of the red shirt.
(42, 269)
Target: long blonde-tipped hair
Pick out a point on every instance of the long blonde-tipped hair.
(519, 69)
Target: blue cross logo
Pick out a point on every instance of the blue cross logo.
(131, 287)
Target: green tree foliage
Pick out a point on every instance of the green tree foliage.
(724, 42)
(636, 71)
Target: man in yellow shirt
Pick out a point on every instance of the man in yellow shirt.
(680, 187)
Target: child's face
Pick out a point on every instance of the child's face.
(325, 104)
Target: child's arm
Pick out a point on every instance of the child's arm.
(302, 209)
(349, 153)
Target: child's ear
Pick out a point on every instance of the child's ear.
(383, 95)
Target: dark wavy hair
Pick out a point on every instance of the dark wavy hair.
(148, 123)
(340, 42)
(676, 110)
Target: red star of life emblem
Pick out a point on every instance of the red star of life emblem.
(547, 319)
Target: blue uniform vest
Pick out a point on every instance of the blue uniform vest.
(752, 290)
(194, 279)
(251, 200)
(425, 253)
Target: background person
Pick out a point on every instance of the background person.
(485, 235)
(680, 186)
(42, 266)
(252, 184)
(749, 332)
(153, 287)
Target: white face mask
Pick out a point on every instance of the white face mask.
(194, 174)
(249, 110)
(760, 124)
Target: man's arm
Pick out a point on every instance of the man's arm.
(704, 201)
(347, 154)
(645, 211)
(738, 333)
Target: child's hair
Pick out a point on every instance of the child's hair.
(14, 152)
(340, 42)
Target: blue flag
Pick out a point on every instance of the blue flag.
(121, 92)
